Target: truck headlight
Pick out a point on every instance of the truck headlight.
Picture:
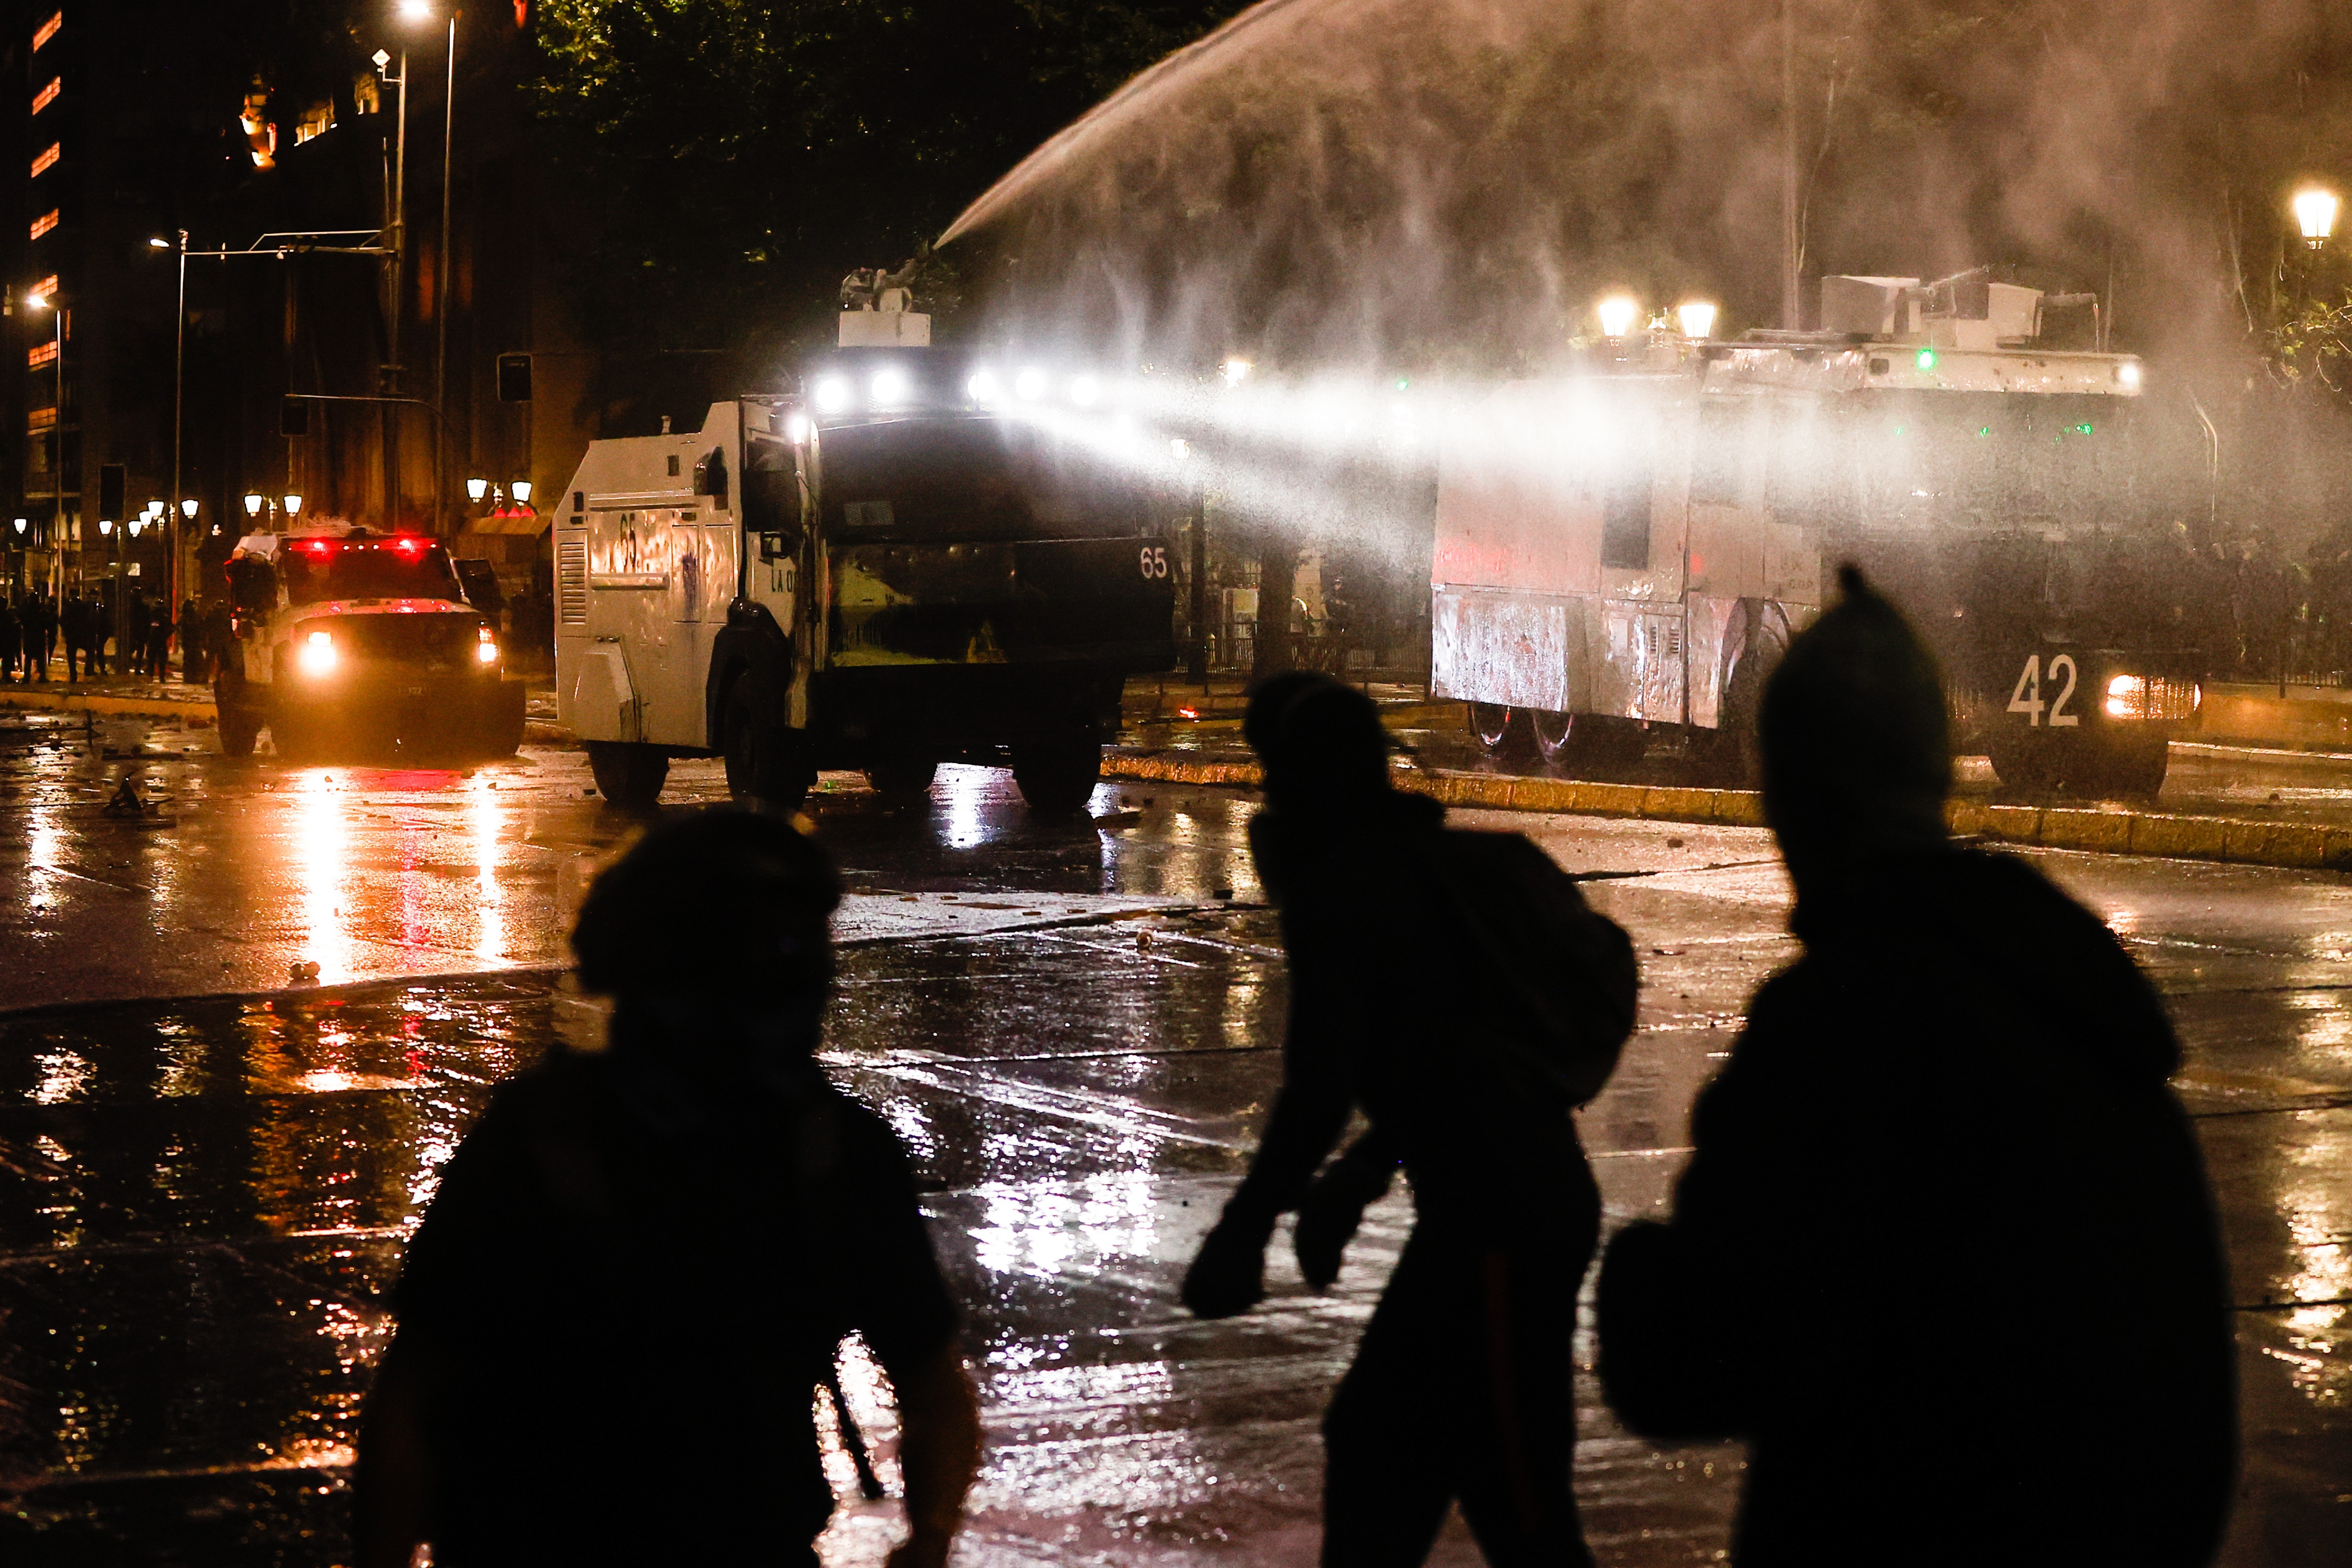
(486, 649)
(832, 394)
(2127, 697)
(317, 655)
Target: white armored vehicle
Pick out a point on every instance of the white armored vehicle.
(1630, 548)
(888, 571)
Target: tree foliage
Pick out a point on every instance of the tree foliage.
(714, 167)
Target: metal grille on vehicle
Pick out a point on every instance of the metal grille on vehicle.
(572, 581)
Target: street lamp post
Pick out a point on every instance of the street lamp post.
(179, 406)
(422, 11)
(57, 421)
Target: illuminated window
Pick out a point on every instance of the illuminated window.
(41, 355)
(48, 30)
(45, 162)
(48, 286)
(316, 121)
(46, 222)
(40, 418)
(47, 95)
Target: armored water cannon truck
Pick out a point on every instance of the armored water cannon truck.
(890, 569)
(1629, 549)
(348, 640)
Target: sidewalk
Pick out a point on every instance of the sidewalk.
(129, 694)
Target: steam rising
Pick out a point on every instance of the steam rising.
(1454, 183)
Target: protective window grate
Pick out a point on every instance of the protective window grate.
(572, 581)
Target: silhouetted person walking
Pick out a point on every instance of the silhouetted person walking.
(192, 641)
(639, 1263)
(40, 635)
(138, 617)
(1454, 987)
(12, 637)
(1944, 1255)
(159, 641)
(75, 617)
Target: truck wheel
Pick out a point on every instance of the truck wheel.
(2135, 768)
(2021, 762)
(627, 774)
(1500, 732)
(240, 727)
(1057, 772)
(1588, 739)
(501, 732)
(1730, 755)
(762, 771)
(905, 775)
(292, 741)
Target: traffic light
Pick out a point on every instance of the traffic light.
(514, 378)
(294, 417)
(112, 484)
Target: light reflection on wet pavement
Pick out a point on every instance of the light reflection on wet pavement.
(1074, 1034)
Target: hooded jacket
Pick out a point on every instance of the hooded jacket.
(1944, 1254)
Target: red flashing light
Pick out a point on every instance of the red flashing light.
(408, 544)
(317, 547)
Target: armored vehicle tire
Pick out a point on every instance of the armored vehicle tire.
(904, 776)
(502, 732)
(1057, 772)
(627, 774)
(1588, 740)
(240, 726)
(1731, 755)
(1500, 732)
(2137, 768)
(762, 772)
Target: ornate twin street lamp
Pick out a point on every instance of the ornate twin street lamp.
(2315, 213)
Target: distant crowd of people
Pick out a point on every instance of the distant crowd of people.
(1943, 1254)
(78, 631)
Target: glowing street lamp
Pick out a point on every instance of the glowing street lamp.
(253, 506)
(293, 506)
(2315, 213)
(1697, 317)
(1617, 313)
(188, 508)
(476, 488)
(520, 491)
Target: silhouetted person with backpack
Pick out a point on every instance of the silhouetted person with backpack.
(640, 1261)
(1454, 987)
(1944, 1255)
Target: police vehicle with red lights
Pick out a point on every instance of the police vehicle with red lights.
(908, 563)
(346, 640)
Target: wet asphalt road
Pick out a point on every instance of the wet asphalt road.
(202, 1200)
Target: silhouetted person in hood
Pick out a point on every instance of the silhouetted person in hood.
(1944, 1254)
(638, 1265)
(1455, 988)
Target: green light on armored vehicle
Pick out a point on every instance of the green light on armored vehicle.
(1926, 359)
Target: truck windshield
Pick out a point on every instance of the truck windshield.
(969, 479)
(1995, 461)
(316, 569)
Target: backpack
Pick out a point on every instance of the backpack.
(1564, 977)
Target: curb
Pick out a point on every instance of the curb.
(104, 702)
(2301, 847)
(203, 710)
